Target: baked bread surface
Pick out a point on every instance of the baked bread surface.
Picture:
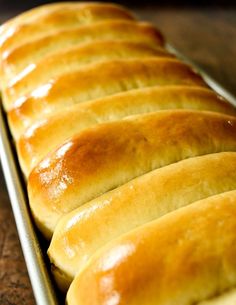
(41, 138)
(14, 33)
(108, 155)
(71, 59)
(226, 298)
(37, 24)
(20, 57)
(50, 12)
(133, 204)
(183, 258)
(115, 76)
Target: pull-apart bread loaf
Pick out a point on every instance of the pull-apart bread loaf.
(41, 138)
(107, 155)
(16, 33)
(22, 31)
(185, 257)
(84, 84)
(47, 13)
(133, 204)
(32, 52)
(128, 155)
(68, 60)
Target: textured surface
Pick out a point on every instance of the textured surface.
(206, 35)
(173, 254)
(216, 53)
(15, 287)
(21, 56)
(41, 138)
(133, 204)
(82, 85)
(74, 58)
(50, 18)
(108, 155)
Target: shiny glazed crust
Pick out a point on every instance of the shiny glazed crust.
(72, 59)
(182, 258)
(41, 138)
(133, 204)
(108, 155)
(20, 57)
(44, 12)
(49, 19)
(83, 85)
(14, 34)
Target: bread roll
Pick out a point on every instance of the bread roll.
(84, 84)
(108, 155)
(49, 13)
(41, 138)
(19, 58)
(74, 58)
(139, 201)
(184, 258)
(69, 16)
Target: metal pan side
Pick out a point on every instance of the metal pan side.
(38, 273)
(208, 79)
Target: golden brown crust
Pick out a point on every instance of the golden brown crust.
(19, 58)
(47, 134)
(141, 200)
(183, 258)
(228, 297)
(45, 11)
(36, 13)
(84, 85)
(108, 155)
(63, 17)
(72, 59)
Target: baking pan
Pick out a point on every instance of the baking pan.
(33, 245)
(33, 250)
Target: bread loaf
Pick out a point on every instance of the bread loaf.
(108, 155)
(76, 57)
(41, 138)
(40, 22)
(133, 204)
(118, 141)
(14, 61)
(51, 14)
(185, 257)
(83, 85)
(16, 33)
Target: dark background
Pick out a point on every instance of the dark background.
(26, 4)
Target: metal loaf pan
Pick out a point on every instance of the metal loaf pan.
(33, 246)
